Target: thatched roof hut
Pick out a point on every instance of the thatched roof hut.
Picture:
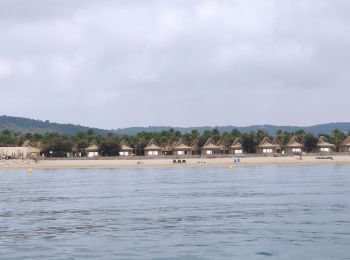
(237, 146)
(294, 143)
(323, 145)
(125, 148)
(210, 147)
(93, 147)
(345, 146)
(34, 149)
(180, 148)
(152, 148)
(266, 146)
(294, 146)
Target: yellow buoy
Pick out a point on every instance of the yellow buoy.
(231, 167)
(30, 171)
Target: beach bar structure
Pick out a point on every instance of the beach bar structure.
(34, 149)
(93, 149)
(294, 146)
(180, 148)
(345, 145)
(324, 146)
(266, 147)
(210, 148)
(152, 148)
(14, 152)
(236, 147)
(125, 148)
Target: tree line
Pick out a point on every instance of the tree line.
(60, 144)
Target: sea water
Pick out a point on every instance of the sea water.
(270, 212)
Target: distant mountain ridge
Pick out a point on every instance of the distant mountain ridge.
(24, 125)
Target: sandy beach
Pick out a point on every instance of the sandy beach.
(166, 163)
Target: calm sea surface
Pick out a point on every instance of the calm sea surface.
(281, 212)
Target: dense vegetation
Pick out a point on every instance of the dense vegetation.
(61, 144)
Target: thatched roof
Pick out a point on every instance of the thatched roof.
(93, 147)
(210, 145)
(294, 143)
(27, 143)
(34, 149)
(180, 145)
(33, 146)
(323, 142)
(346, 142)
(237, 144)
(266, 143)
(152, 145)
(124, 146)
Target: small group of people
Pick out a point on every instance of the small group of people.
(236, 161)
(179, 161)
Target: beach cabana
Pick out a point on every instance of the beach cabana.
(266, 146)
(34, 149)
(93, 149)
(210, 148)
(345, 146)
(153, 149)
(236, 147)
(180, 148)
(294, 146)
(324, 146)
(125, 149)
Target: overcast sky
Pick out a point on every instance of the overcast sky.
(112, 64)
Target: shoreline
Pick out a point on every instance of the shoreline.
(168, 163)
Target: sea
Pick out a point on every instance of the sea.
(265, 212)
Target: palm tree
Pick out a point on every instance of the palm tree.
(338, 137)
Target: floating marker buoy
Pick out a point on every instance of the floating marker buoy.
(231, 167)
(30, 171)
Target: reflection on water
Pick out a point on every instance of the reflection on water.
(251, 212)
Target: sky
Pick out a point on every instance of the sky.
(115, 64)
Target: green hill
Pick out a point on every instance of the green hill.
(24, 125)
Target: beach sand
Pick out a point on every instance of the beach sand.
(168, 163)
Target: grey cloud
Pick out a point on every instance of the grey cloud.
(125, 63)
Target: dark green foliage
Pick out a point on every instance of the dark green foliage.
(61, 144)
(310, 142)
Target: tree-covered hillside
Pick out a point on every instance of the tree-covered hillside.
(25, 125)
